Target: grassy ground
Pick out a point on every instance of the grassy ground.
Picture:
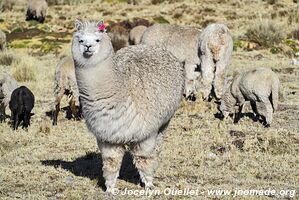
(199, 152)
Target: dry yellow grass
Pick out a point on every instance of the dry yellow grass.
(199, 151)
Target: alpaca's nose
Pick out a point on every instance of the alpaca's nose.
(87, 46)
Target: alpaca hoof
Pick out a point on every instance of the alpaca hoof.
(111, 191)
(267, 125)
(149, 186)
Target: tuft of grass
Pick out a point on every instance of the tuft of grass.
(7, 58)
(266, 33)
(24, 71)
(155, 2)
(271, 2)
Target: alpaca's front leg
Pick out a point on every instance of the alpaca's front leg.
(146, 160)
(112, 156)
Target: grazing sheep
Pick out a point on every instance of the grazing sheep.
(182, 42)
(2, 41)
(136, 34)
(216, 46)
(21, 104)
(7, 85)
(37, 10)
(259, 86)
(65, 84)
(127, 98)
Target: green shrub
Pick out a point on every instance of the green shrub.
(266, 33)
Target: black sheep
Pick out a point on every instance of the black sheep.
(21, 104)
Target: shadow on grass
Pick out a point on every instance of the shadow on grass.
(91, 164)
(259, 118)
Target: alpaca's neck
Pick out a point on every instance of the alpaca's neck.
(98, 82)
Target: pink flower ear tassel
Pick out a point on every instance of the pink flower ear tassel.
(102, 27)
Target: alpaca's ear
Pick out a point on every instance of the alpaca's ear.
(78, 24)
(101, 26)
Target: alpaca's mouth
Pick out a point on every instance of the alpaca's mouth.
(87, 54)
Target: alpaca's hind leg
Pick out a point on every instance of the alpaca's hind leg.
(146, 160)
(219, 79)
(207, 74)
(112, 156)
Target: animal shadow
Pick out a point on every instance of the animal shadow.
(91, 164)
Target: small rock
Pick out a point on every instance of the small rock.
(211, 156)
(69, 180)
(295, 61)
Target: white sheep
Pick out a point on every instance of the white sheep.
(65, 84)
(259, 86)
(7, 85)
(135, 34)
(2, 40)
(37, 10)
(127, 98)
(216, 46)
(182, 42)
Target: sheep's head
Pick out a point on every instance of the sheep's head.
(89, 39)
(227, 104)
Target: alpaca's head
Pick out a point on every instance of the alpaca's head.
(90, 42)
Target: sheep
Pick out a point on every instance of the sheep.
(127, 98)
(21, 104)
(215, 49)
(136, 34)
(2, 40)
(65, 84)
(37, 10)
(7, 85)
(259, 86)
(182, 42)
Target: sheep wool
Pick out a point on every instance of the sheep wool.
(7, 85)
(135, 34)
(37, 10)
(259, 86)
(65, 84)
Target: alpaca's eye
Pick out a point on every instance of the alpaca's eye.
(97, 40)
(81, 41)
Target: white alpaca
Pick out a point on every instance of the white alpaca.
(216, 46)
(182, 42)
(127, 98)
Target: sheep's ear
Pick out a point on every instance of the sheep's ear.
(78, 24)
(101, 26)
